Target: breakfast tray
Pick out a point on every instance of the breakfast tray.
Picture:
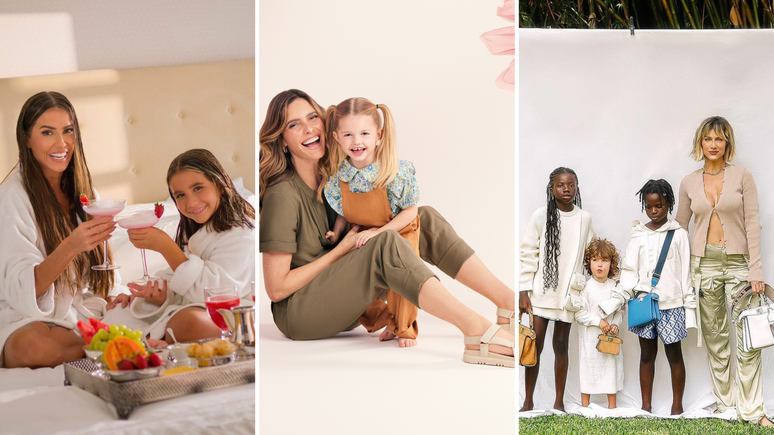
(128, 395)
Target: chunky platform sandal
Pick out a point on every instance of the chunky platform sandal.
(510, 327)
(483, 355)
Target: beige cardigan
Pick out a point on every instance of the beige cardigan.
(737, 208)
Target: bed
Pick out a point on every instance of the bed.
(134, 122)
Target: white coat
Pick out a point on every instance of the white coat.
(23, 249)
(214, 260)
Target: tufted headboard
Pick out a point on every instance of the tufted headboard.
(135, 121)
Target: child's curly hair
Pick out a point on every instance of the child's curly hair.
(604, 249)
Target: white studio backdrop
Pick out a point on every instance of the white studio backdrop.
(622, 109)
(425, 61)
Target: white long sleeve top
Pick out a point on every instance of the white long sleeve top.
(577, 233)
(588, 313)
(674, 288)
(214, 260)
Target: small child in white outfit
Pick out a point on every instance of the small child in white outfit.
(600, 373)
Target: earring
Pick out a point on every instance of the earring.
(285, 149)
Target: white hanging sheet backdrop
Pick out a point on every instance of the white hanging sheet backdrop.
(622, 109)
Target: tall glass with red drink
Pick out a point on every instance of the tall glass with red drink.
(215, 298)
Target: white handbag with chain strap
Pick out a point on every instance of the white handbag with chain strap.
(757, 322)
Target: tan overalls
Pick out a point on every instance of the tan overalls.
(372, 209)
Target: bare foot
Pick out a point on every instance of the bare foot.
(677, 409)
(559, 406)
(510, 304)
(765, 422)
(407, 342)
(527, 406)
(504, 322)
(156, 343)
(386, 335)
(646, 408)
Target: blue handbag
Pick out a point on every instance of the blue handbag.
(643, 309)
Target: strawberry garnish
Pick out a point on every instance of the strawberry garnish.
(158, 208)
(84, 199)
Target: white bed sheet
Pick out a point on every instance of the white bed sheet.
(37, 402)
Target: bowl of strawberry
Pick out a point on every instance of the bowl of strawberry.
(139, 367)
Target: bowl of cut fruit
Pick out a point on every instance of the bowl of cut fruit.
(120, 351)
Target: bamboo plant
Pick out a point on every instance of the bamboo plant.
(651, 14)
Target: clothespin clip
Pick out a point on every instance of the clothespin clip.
(631, 25)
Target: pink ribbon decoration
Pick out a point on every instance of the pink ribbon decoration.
(501, 42)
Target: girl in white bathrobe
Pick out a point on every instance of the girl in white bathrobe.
(49, 243)
(214, 247)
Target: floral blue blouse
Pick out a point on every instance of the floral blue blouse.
(402, 191)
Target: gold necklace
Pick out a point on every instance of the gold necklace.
(713, 173)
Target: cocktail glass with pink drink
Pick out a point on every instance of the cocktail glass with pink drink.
(136, 221)
(226, 297)
(101, 208)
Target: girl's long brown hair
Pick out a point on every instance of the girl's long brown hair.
(275, 165)
(53, 223)
(233, 211)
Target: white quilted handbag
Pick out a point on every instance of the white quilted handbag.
(757, 325)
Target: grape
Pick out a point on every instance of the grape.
(113, 329)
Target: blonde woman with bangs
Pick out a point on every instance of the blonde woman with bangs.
(372, 188)
(49, 243)
(319, 288)
(725, 258)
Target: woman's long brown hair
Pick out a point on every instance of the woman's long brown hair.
(54, 225)
(274, 164)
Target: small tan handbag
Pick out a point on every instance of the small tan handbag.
(609, 345)
(527, 348)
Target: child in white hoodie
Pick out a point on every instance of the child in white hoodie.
(677, 301)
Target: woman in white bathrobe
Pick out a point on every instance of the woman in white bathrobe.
(214, 247)
(49, 243)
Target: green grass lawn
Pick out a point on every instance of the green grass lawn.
(574, 424)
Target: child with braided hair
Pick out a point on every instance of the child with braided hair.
(677, 301)
(551, 257)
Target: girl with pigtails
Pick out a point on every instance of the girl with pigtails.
(551, 273)
(370, 187)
